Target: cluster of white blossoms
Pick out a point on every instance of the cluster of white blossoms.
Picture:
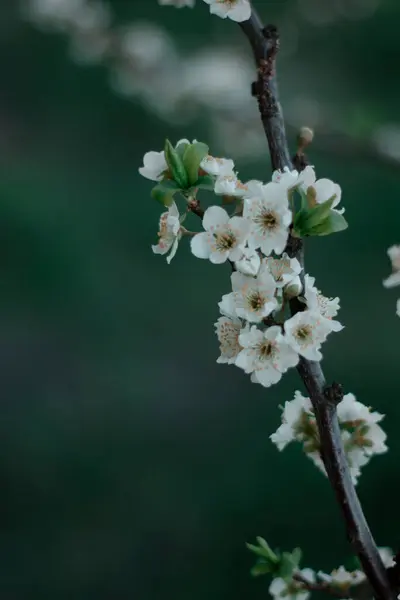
(254, 331)
(394, 279)
(361, 435)
(339, 581)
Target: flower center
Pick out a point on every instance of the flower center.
(303, 333)
(267, 219)
(266, 350)
(255, 300)
(225, 241)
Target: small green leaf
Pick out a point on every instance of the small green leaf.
(180, 149)
(261, 568)
(205, 182)
(192, 157)
(175, 164)
(319, 213)
(334, 223)
(164, 191)
(263, 550)
(289, 562)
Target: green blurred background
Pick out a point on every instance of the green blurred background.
(132, 465)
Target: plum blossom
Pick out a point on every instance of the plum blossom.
(292, 590)
(237, 10)
(322, 189)
(154, 165)
(223, 238)
(265, 354)
(284, 269)
(292, 414)
(269, 217)
(361, 436)
(169, 233)
(217, 166)
(306, 332)
(325, 307)
(394, 279)
(228, 330)
(249, 263)
(230, 185)
(286, 178)
(341, 578)
(254, 298)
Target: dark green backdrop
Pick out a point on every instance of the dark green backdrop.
(132, 465)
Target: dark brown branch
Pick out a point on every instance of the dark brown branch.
(265, 44)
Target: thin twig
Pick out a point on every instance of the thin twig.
(265, 44)
(320, 586)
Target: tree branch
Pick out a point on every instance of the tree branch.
(265, 43)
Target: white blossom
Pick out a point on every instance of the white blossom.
(398, 307)
(227, 330)
(291, 417)
(169, 233)
(269, 216)
(323, 189)
(237, 10)
(265, 354)
(254, 298)
(325, 307)
(286, 178)
(284, 270)
(223, 238)
(217, 166)
(249, 263)
(230, 185)
(394, 279)
(387, 557)
(342, 578)
(305, 332)
(366, 434)
(177, 3)
(292, 590)
(154, 165)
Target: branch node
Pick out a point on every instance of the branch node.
(334, 393)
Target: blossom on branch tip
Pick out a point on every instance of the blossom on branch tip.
(217, 166)
(341, 578)
(154, 165)
(265, 354)
(237, 10)
(169, 233)
(254, 298)
(228, 330)
(292, 590)
(305, 332)
(269, 217)
(223, 238)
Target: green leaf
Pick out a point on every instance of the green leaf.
(205, 182)
(181, 148)
(263, 550)
(319, 213)
(334, 223)
(164, 191)
(261, 568)
(175, 164)
(289, 562)
(192, 157)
